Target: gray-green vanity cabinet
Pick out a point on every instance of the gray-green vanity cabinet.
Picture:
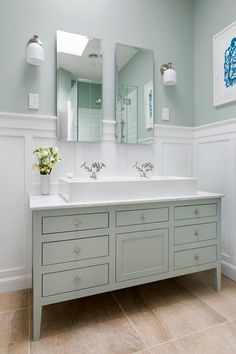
(84, 251)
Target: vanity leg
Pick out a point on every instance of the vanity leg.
(218, 279)
(37, 314)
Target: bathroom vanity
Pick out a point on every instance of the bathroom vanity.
(81, 249)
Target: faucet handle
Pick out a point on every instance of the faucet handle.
(148, 166)
(145, 167)
(98, 165)
(135, 165)
(83, 164)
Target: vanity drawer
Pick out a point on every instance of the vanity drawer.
(75, 250)
(195, 257)
(75, 279)
(195, 233)
(141, 216)
(195, 211)
(77, 222)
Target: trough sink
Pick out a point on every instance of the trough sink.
(121, 189)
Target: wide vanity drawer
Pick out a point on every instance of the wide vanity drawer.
(142, 253)
(141, 216)
(195, 233)
(195, 211)
(77, 222)
(195, 257)
(75, 279)
(75, 250)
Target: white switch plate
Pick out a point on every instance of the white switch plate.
(33, 101)
(165, 113)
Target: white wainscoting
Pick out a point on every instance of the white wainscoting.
(208, 152)
(215, 168)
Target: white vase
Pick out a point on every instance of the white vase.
(45, 184)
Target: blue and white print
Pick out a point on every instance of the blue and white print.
(150, 104)
(230, 64)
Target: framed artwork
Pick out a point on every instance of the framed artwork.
(148, 105)
(224, 65)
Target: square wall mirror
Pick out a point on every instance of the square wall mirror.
(134, 95)
(79, 87)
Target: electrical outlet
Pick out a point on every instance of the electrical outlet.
(165, 113)
(33, 101)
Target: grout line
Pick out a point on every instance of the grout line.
(191, 334)
(204, 300)
(145, 345)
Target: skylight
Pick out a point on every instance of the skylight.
(71, 43)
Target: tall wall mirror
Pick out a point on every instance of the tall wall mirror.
(79, 87)
(134, 95)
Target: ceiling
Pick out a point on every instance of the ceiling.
(124, 54)
(82, 66)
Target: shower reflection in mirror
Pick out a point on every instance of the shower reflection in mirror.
(134, 95)
(79, 87)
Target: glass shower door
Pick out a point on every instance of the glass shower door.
(127, 114)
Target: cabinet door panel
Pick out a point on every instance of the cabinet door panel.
(142, 253)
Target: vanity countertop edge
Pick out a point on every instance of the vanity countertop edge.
(55, 201)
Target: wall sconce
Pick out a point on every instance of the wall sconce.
(34, 51)
(169, 74)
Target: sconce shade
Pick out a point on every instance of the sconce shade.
(169, 75)
(35, 51)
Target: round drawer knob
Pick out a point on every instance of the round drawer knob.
(143, 217)
(77, 279)
(196, 233)
(196, 257)
(77, 222)
(77, 250)
(196, 212)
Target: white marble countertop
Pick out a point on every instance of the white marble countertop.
(55, 201)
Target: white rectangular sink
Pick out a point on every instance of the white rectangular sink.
(121, 189)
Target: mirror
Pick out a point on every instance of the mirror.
(134, 95)
(79, 87)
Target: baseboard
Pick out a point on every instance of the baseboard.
(228, 270)
(15, 283)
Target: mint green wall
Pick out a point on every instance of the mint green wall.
(162, 25)
(211, 16)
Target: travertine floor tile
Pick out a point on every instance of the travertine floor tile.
(90, 325)
(141, 315)
(30, 297)
(14, 300)
(217, 340)
(14, 332)
(202, 284)
(165, 310)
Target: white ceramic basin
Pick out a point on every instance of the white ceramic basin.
(121, 189)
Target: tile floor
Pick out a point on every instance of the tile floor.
(177, 316)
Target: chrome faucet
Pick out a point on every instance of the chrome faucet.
(94, 168)
(144, 168)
